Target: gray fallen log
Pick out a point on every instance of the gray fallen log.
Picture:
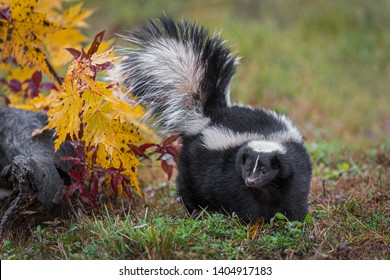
(30, 180)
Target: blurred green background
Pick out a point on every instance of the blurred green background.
(326, 64)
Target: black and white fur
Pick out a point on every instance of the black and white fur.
(250, 161)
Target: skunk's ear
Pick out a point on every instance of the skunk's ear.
(244, 156)
(280, 162)
(275, 162)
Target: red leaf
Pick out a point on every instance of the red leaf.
(170, 140)
(15, 85)
(126, 178)
(119, 180)
(159, 149)
(85, 174)
(94, 155)
(112, 171)
(75, 175)
(68, 158)
(37, 78)
(80, 176)
(98, 169)
(139, 151)
(145, 146)
(103, 66)
(76, 53)
(94, 187)
(76, 162)
(72, 188)
(86, 198)
(79, 150)
(168, 169)
(114, 184)
(95, 44)
(127, 191)
(173, 151)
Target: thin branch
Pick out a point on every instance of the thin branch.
(53, 72)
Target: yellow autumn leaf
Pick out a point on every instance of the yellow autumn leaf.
(102, 122)
(36, 35)
(106, 160)
(19, 73)
(71, 19)
(97, 123)
(41, 30)
(84, 102)
(50, 7)
(36, 104)
(56, 44)
(115, 151)
(112, 137)
(253, 229)
(16, 98)
(75, 16)
(122, 110)
(21, 37)
(63, 114)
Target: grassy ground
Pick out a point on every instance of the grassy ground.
(326, 64)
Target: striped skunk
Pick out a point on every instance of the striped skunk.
(250, 161)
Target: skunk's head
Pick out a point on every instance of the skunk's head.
(261, 163)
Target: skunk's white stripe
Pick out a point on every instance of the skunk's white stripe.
(264, 146)
(257, 160)
(220, 138)
(290, 127)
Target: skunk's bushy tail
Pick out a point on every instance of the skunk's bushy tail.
(179, 72)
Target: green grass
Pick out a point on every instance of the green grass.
(326, 64)
(349, 219)
(210, 236)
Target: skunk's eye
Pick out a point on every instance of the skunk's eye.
(263, 170)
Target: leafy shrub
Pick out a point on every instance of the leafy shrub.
(39, 38)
